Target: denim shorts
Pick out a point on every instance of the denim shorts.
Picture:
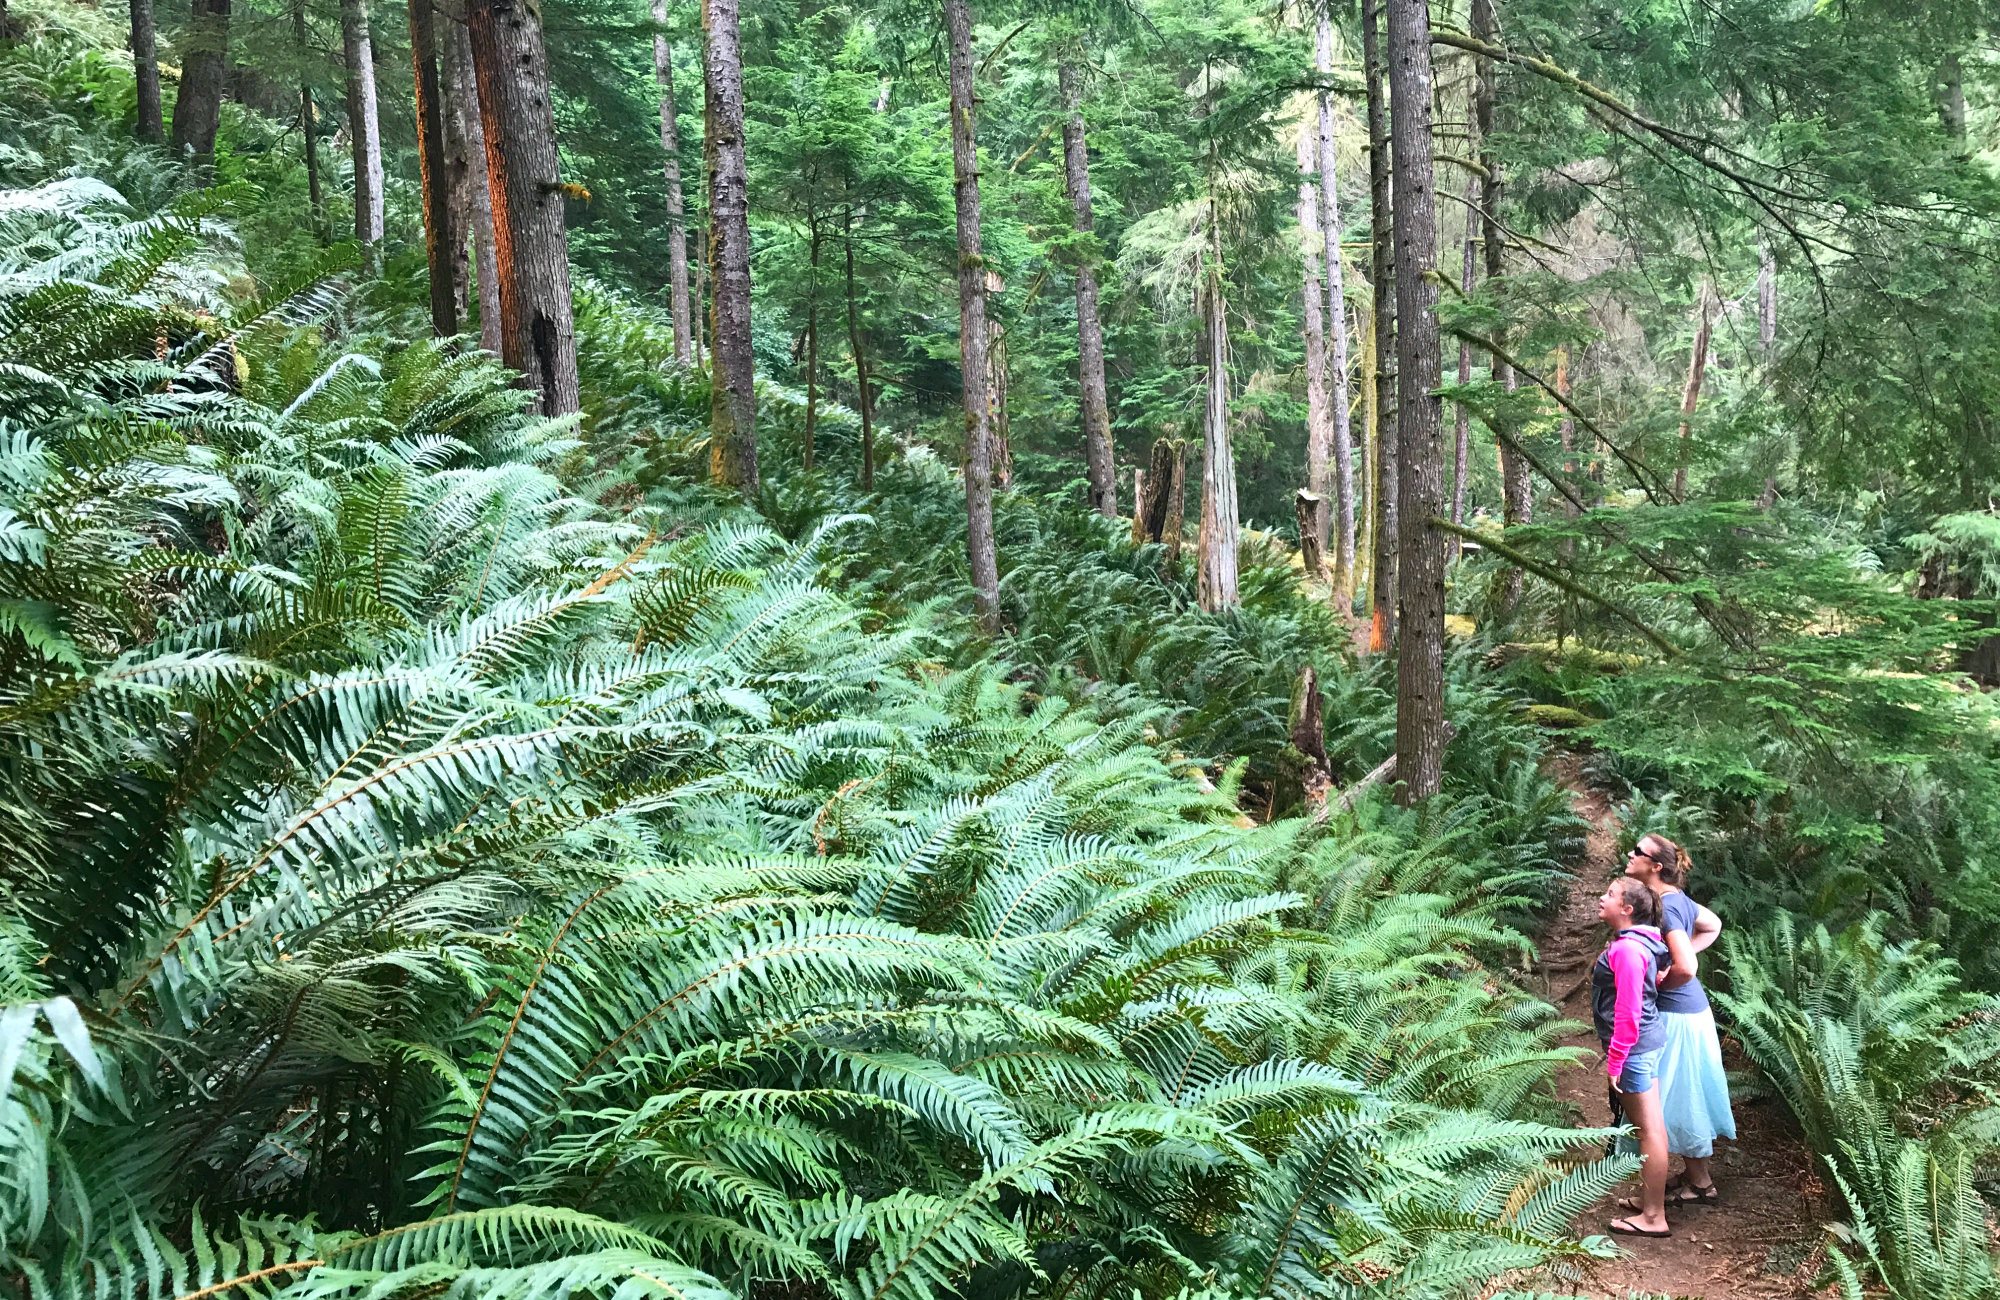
(1641, 1068)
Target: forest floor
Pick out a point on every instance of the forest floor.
(1761, 1239)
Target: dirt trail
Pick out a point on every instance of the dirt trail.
(1759, 1241)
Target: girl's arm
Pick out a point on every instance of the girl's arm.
(1628, 972)
(1707, 928)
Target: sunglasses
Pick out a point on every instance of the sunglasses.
(1638, 852)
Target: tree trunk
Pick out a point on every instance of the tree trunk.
(1691, 390)
(204, 65)
(1516, 491)
(151, 126)
(1173, 523)
(703, 305)
(1364, 551)
(812, 344)
(1312, 515)
(860, 358)
(537, 329)
(1215, 544)
(1767, 299)
(1157, 508)
(1319, 410)
(996, 394)
(308, 127)
(439, 244)
(1951, 97)
(1420, 732)
(364, 122)
(732, 456)
(1342, 525)
(1566, 430)
(1099, 461)
(670, 146)
(1382, 594)
(472, 197)
(1461, 458)
(972, 321)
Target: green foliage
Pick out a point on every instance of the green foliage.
(1888, 1066)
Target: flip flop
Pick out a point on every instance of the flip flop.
(1689, 1194)
(1626, 1228)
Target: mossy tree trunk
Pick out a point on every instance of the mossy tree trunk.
(537, 327)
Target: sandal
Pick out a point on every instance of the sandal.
(1627, 1228)
(1689, 1194)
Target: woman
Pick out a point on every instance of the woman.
(1694, 1091)
(1624, 995)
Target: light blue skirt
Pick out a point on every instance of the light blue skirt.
(1694, 1091)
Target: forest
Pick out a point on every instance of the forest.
(845, 650)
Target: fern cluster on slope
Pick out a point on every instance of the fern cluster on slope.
(428, 881)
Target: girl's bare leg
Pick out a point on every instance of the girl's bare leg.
(1642, 1110)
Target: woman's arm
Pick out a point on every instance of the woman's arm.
(1682, 949)
(1707, 927)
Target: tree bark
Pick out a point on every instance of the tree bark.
(308, 127)
(860, 358)
(364, 122)
(972, 321)
(204, 65)
(1383, 580)
(670, 146)
(1099, 461)
(1336, 323)
(1215, 544)
(733, 408)
(1516, 492)
(1420, 732)
(537, 328)
(476, 278)
(1461, 459)
(439, 244)
(151, 125)
(1691, 390)
(1319, 410)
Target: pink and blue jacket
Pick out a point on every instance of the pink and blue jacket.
(1625, 995)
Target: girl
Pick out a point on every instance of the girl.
(1694, 1091)
(1624, 993)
